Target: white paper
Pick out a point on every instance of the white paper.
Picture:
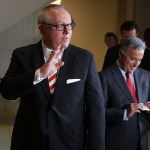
(145, 108)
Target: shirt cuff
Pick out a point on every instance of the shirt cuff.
(37, 77)
(125, 117)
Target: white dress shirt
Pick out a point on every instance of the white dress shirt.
(125, 117)
(46, 52)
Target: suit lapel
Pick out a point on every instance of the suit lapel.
(64, 72)
(138, 84)
(39, 61)
(38, 56)
(121, 82)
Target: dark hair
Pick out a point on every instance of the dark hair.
(111, 34)
(146, 33)
(128, 25)
(147, 36)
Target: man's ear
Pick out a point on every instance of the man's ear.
(120, 53)
(40, 28)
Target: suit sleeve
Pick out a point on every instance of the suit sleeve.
(95, 110)
(18, 79)
(113, 115)
(107, 60)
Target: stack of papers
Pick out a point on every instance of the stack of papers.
(145, 108)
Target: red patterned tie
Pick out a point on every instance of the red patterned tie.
(52, 82)
(131, 87)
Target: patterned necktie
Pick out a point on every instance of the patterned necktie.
(52, 82)
(131, 87)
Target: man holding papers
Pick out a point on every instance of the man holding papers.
(127, 93)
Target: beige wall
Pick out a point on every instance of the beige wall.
(93, 19)
(125, 11)
(141, 16)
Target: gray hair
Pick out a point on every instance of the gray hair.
(132, 42)
(43, 16)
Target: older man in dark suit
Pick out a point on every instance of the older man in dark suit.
(127, 93)
(69, 114)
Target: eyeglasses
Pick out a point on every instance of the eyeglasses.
(62, 27)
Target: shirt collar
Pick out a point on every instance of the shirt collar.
(47, 51)
(122, 71)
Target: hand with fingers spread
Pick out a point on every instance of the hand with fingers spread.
(52, 64)
(134, 108)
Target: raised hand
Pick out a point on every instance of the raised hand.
(53, 63)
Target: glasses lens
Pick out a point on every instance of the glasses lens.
(61, 27)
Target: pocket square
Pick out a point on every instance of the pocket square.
(72, 80)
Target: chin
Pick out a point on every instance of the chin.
(132, 70)
(65, 45)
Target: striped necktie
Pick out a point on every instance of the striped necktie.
(52, 82)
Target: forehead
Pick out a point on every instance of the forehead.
(135, 52)
(59, 16)
(129, 33)
(109, 38)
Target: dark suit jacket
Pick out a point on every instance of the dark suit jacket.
(57, 120)
(124, 135)
(111, 56)
(145, 63)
